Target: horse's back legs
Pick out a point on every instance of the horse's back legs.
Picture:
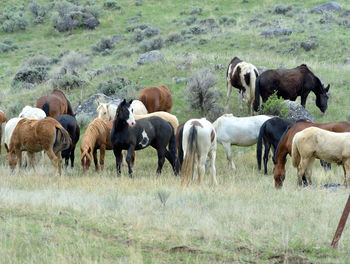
(227, 147)
(94, 154)
(161, 159)
(102, 156)
(212, 157)
(346, 167)
(53, 159)
(267, 147)
(118, 160)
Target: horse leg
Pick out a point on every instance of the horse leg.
(346, 167)
(31, 159)
(267, 147)
(53, 158)
(102, 156)
(59, 162)
(229, 88)
(129, 159)
(240, 99)
(227, 147)
(71, 158)
(172, 161)
(303, 100)
(94, 154)
(301, 170)
(212, 157)
(308, 172)
(118, 160)
(19, 158)
(161, 159)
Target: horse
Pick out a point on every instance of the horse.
(134, 135)
(70, 124)
(199, 143)
(179, 149)
(35, 112)
(172, 119)
(107, 111)
(157, 98)
(240, 131)
(289, 84)
(3, 120)
(55, 104)
(96, 136)
(37, 135)
(284, 146)
(270, 133)
(241, 75)
(316, 143)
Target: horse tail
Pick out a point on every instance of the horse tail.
(253, 76)
(172, 150)
(189, 159)
(257, 95)
(295, 152)
(63, 140)
(46, 109)
(69, 108)
(259, 145)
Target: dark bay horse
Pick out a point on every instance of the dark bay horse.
(270, 134)
(70, 124)
(130, 135)
(285, 144)
(180, 151)
(55, 104)
(156, 98)
(289, 84)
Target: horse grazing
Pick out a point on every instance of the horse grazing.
(289, 84)
(107, 111)
(70, 124)
(130, 135)
(199, 143)
(37, 135)
(240, 131)
(96, 136)
(284, 146)
(157, 98)
(316, 143)
(270, 133)
(241, 75)
(55, 104)
(32, 112)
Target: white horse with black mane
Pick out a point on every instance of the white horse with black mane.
(240, 131)
(241, 75)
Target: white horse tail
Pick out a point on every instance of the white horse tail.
(295, 152)
(189, 159)
(253, 75)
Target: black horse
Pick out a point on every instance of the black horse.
(270, 133)
(130, 135)
(70, 124)
(180, 151)
(289, 84)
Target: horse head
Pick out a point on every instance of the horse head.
(12, 159)
(279, 175)
(85, 157)
(102, 111)
(322, 98)
(125, 113)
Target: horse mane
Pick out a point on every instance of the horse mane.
(92, 132)
(282, 137)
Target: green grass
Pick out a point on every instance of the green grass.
(97, 217)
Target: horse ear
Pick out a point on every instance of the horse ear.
(6, 147)
(123, 102)
(89, 150)
(130, 101)
(327, 88)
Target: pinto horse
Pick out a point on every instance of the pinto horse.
(285, 145)
(318, 143)
(289, 84)
(199, 143)
(240, 131)
(270, 133)
(37, 135)
(130, 135)
(55, 104)
(157, 98)
(241, 75)
(70, 124)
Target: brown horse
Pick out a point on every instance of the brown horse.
(55, 104)
(285, 145)
(156, 99)
(37, 135)
(3, 119)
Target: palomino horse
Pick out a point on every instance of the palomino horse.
(316, 143)
(156, 98)
(37, 135)
(70, 124)
(240, 131)
(285, 145)
(241, 75)
(3, 120)
(97, 136)
(29, 111)
(199, 143)
(130, 135)
(55, 104)
(107, 111)
(289, 84)
(270, 132)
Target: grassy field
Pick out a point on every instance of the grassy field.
(97, 217)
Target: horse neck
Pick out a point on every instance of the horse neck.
(120, 125)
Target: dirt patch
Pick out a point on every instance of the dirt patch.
(289, 259)
(183, 249)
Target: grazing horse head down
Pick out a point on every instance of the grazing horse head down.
(157, 98)
(289, 84)
(241, 75)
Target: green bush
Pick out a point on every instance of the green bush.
(104, 46)
(83, 120)
(68, 81)
(115, 86)
(12, 20)
(152, 44)
(274, 106)
(112, 5)
(7, 45)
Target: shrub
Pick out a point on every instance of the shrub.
(7, 45)
(274, 106)
(67, 81)
(12, 20)
(111, 4)
(152, 44)
(14, 108)
(37, 60)
(199, 93)
(227, 21)
(173, 38)
(138, 2)
(83, 120)
(137, 36)
(190, 20)
(141, 26)
(112, 87)
(196, 10)
(38, 12)
(104, 46)
(140, 34)
(74, 61)
(30, 74)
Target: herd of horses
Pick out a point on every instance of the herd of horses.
(190, 147)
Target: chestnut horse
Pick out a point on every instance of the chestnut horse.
(37, 135)
(3, 119)
(285, 145)
(156, 98)
(55, 104)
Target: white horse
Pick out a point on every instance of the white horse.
(240, 131)
(242, 75)
(33, 112)
(199, 142)
(107, 111)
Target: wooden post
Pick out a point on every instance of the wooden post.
(341, 224)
